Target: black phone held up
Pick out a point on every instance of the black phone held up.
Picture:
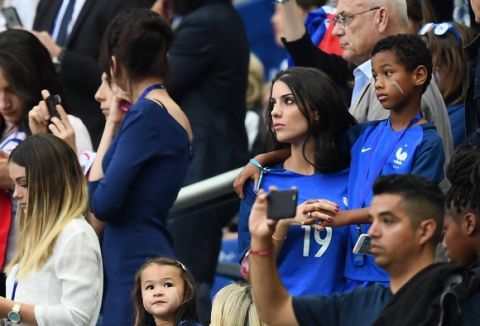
(282, 204)
(52, 102)
(11, 17)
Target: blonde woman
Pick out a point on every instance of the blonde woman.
(56, 275)
(233, 306)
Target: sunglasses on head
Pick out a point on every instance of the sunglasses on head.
(440, 30)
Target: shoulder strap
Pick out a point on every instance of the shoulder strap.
(458, 288)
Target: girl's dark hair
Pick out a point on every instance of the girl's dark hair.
(317, 95)
(463, 172)
(187, 311)
(28, 68)
(139, 39)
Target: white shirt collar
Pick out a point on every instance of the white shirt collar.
(365, 69)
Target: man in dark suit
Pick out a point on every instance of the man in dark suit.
(208, 79)
(77, 57)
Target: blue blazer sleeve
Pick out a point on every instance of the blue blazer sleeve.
(138, 141)
(243, 215)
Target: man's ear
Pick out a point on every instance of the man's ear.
(419, 75)
(426, 230)
(381, 19)
(469, 223)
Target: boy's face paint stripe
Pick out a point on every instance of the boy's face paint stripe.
(397, 86)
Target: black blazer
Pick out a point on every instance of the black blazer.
(79, 70)
(209, 70)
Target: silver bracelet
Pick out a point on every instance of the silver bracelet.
(281, 2)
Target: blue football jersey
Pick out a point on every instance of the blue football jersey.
(380, 150)
(310, 262)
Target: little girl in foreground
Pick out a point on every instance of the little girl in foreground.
(164, 294)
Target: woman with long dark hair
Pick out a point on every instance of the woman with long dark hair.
(307, 114)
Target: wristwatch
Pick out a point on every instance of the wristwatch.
(14, 314)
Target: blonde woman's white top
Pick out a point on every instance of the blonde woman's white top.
(68, 289)
(82, 136)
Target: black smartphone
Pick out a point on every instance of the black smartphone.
(282, 204)
(52, 102)
(11, 17)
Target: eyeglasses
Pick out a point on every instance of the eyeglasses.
(344, 20)
(440, 30)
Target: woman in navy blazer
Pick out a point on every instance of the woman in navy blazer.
(142, 157)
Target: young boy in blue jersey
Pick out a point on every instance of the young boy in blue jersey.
(403, 143)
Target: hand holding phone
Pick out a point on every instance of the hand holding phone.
(52, 102)
(282, 204)
(11, 17)
(362, 247)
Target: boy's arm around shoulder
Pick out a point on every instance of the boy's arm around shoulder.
(250, 171)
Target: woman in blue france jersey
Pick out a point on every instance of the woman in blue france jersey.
(307, 114)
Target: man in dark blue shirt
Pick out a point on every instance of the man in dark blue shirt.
(407, 214)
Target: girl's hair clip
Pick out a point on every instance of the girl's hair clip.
(182, 266)
(440, 30)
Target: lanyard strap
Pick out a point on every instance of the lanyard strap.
(151, 88)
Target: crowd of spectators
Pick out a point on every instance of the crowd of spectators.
(109, 107)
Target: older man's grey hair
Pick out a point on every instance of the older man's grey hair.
(397, 10)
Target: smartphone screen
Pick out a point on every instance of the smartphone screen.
(11, 17)
(282, 204)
